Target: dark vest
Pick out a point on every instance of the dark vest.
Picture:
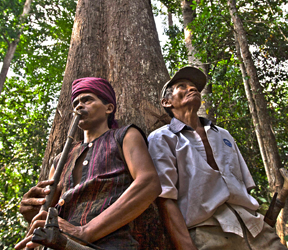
(105, 177)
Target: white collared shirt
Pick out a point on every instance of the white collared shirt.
(202, 193)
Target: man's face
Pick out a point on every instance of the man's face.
(185, 94)
(93, 111)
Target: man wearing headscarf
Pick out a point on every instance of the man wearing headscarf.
(108, 179)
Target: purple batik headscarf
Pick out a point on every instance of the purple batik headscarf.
(98, 86)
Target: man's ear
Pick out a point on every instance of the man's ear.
(166, 103)
(110, 108)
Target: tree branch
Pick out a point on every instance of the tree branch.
(5, 38)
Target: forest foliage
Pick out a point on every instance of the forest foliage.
(30, 94)
(28, 100)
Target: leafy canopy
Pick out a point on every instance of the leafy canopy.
(28, 100)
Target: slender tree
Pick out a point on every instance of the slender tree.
(189, 15)
(13, 45)
(264, 132)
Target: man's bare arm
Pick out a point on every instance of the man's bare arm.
(175, 224)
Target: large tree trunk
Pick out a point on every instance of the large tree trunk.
(266, 138)
(188, 16)
(116, 40)
(13, 45)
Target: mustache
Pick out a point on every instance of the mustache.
(83, 113)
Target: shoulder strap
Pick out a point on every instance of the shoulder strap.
(120, 150)
(119, 135)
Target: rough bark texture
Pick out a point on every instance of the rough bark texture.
(116, 40)
(265, 135)
(188, 16)
(251, 103)
(13, 45)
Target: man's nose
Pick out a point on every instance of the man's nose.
(79, 106)
(191, 88)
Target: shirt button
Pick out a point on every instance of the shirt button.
(61, 202)
(90, 144)
(85, 162)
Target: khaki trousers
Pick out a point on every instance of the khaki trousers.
(213, 238)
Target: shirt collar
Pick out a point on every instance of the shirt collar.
(176, 125)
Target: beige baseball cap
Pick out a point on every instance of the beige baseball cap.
(193, 74)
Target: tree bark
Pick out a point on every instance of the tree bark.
(251, 103)
(266, 138)
(7, 61)
(13, 45)
(188, 16)
(116, 40)
(170, 20)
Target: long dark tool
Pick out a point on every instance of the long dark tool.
(62, 161)
(278, 201)
(51, 235)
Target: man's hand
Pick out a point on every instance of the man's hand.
(38, 221)
(50, 237)
(34, 199)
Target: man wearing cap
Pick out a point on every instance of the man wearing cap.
(204, 202)
(108, 179)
